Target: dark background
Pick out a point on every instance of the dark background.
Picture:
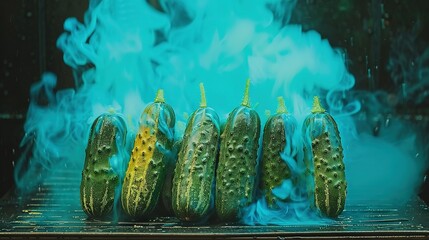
(29, 30)
(365, 30)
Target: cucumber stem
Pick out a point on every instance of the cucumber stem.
(159, 96)
(245, 101)
(281, 106)
(111, 110)
(317, 107)
(203, 103)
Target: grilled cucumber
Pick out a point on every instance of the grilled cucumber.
(99, 178)
(194, 175)
(146, 171)
(235, 176)
(323, 158)
(278, 135)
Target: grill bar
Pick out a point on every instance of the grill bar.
(54, 212)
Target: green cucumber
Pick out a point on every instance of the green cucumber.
(278, 132)
(145, 176)
(194, 176)
(236, 173)
(323, 158)
(99, 178)
(168, 185)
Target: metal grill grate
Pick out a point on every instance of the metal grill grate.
(54, 212)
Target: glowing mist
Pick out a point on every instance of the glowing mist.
(125, 50)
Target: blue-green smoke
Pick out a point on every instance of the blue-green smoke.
(126, 49)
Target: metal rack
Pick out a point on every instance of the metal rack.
(54, 212)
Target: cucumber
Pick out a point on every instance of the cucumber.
(278, 132)
(236, 173)
(145, 176)
(99, 178)
(168, 185)
(323, 158)
(194, 175)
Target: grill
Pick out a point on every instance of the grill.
(54, 212)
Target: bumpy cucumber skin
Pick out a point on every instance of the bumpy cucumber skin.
(99, 180)
(274, 169)
(145, 176)
(236, 173)
(194, 176)
(323, 158)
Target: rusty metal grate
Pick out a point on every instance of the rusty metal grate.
(54, 212)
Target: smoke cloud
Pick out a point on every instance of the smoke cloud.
(126, 49)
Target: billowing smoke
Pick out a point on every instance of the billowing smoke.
(126, 49)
